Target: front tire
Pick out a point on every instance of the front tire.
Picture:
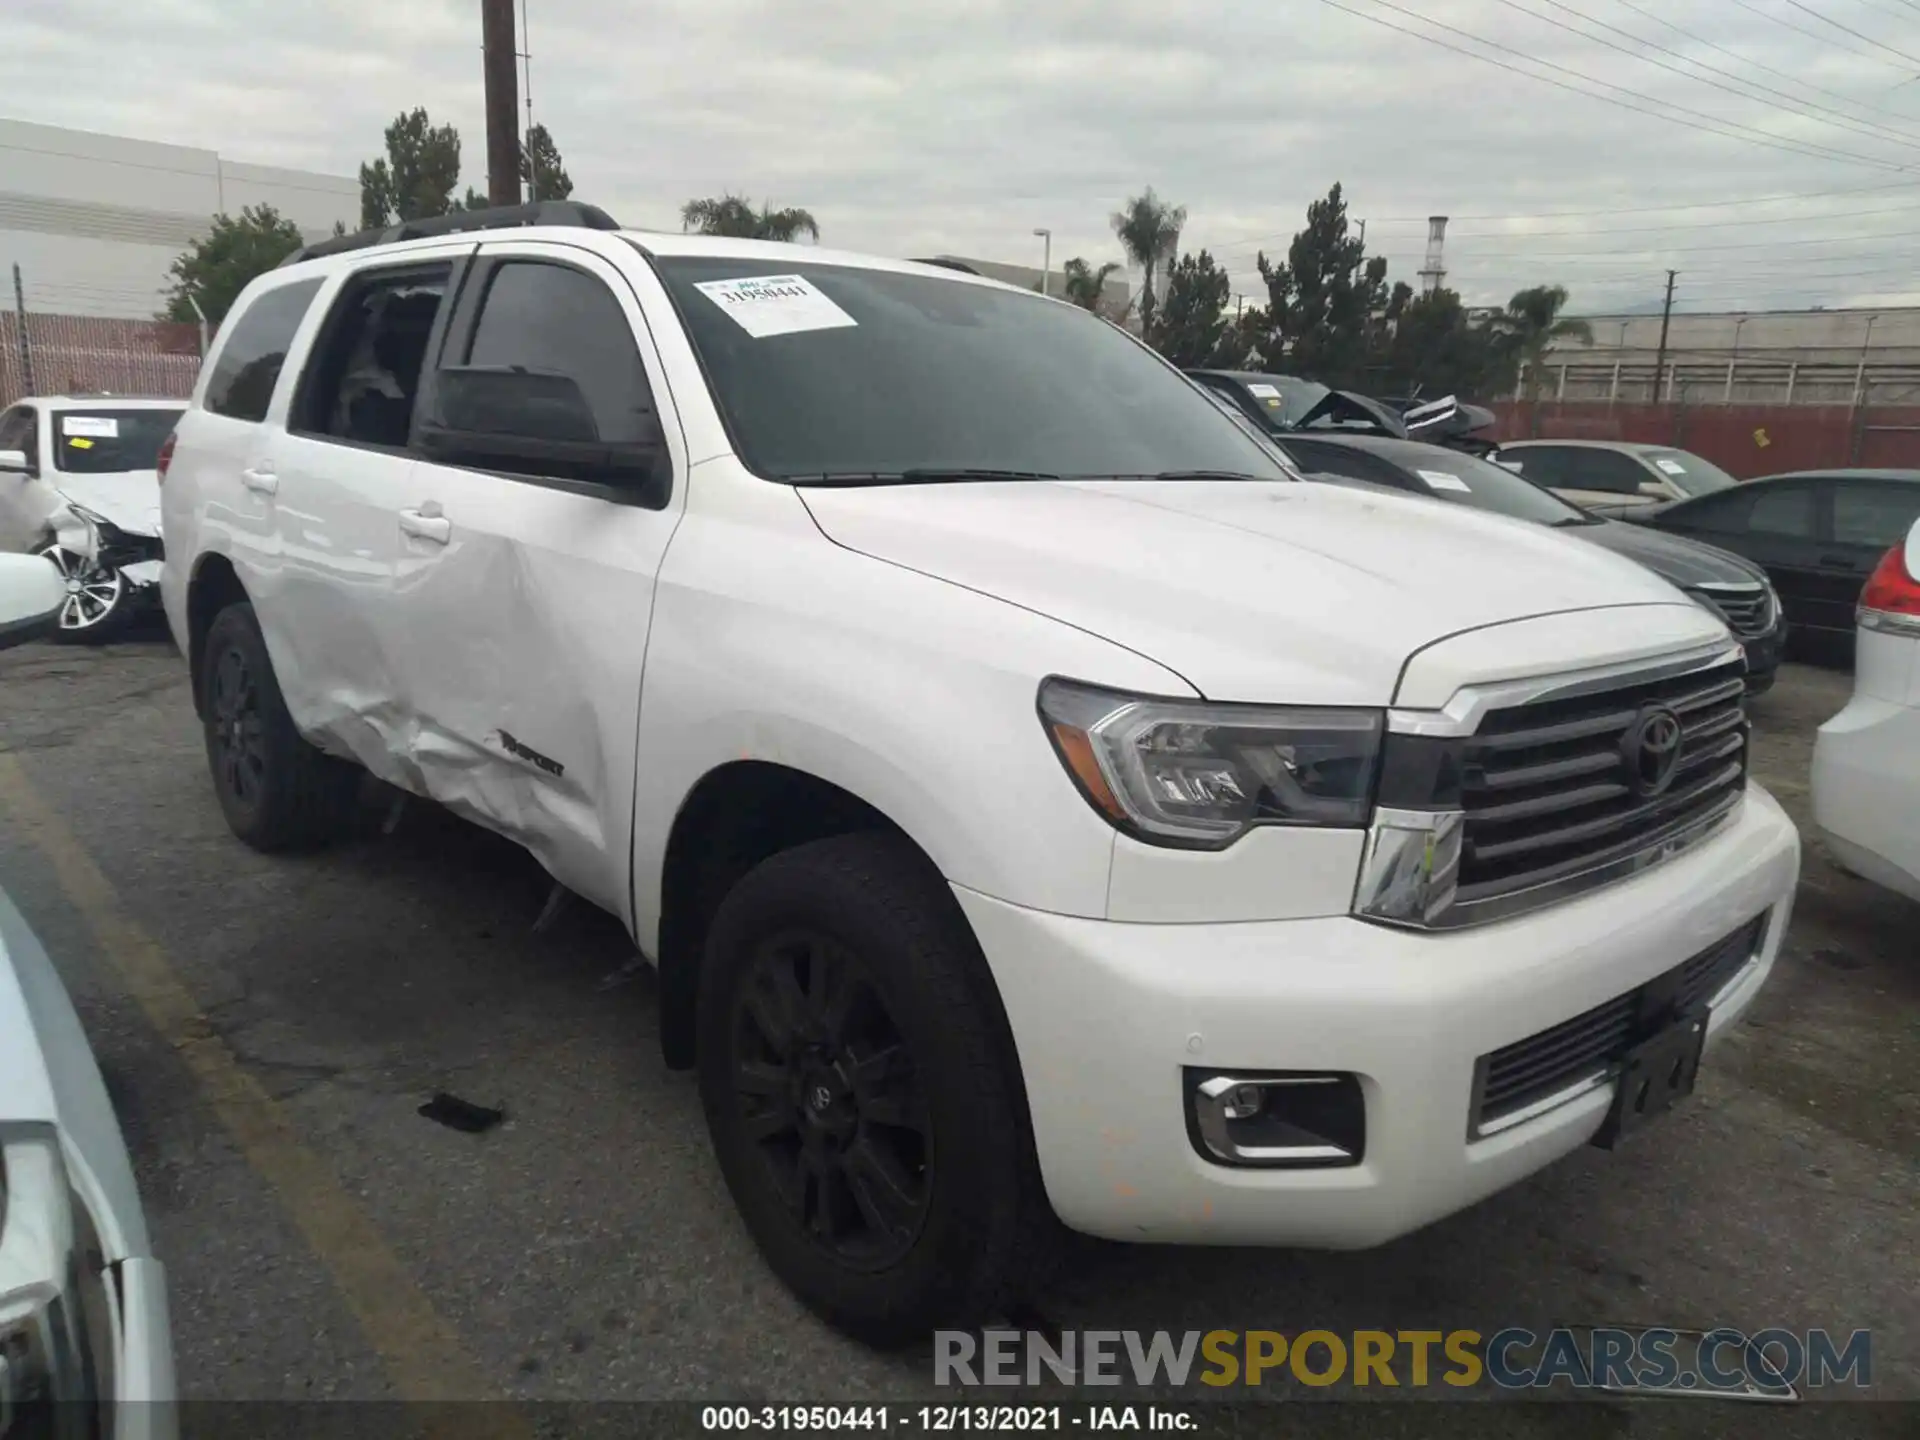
(862, 1095)
(277, 791)
(100, 601)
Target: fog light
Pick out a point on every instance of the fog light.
(1278, 1119)
(1243, 1102)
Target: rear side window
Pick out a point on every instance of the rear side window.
(18, 432)
(364, 375)
(1783, 510)
(1603, 470)
(554, 320)
(1874, 515)
(254, 349)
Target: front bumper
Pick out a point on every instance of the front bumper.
(1107, 1018)
(1764, 653)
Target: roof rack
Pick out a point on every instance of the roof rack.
(964, 269)
(457, 222)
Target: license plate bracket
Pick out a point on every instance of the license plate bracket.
(1656, 1075)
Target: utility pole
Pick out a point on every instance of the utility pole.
(526, 58)
(1046, 259)
(503, 102)
(26, 347)
(1660, 356)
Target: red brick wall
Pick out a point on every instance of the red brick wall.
(1744, 440)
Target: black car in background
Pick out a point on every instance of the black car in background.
(1817, 533)
(1282, 404)
(1733, 588)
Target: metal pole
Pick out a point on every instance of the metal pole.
(503, 124)
(1046, 259)
(526, 74)
(1735, 358)
(202, 316)
(1660, 357)
(26, 346)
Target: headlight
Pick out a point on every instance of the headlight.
(48, 1382)
(1199, 775)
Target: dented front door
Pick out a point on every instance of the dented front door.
(524, 601)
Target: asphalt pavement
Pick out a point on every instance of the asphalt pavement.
(271, 1026)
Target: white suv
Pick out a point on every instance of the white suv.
(1036, 801)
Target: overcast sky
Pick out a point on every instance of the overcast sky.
(958, 126)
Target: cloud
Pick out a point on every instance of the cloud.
(923, 126)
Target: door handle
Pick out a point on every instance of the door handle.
(427, 523)
(260, 480)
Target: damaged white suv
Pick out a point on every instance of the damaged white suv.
(1037, 802)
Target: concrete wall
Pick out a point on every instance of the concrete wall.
(93, 221)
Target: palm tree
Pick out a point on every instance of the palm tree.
(1086, 285)
(1149, 231)
(734, 215)
(1532, 323)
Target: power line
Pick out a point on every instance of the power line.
(1659, 209)
(1761, 65)
(1737, 131)
(1858, 35)
(1703, 249)
(1863, 127)
(1453, 234)
(1753, 9)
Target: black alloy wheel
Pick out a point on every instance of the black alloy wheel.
(236, 732)
(829, 1096)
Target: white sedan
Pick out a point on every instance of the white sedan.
(1866, 760)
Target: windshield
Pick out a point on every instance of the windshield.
(103, 441)
(1692, 474)
(838, 371)
(1468, 480)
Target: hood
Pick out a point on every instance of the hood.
(129, 499)
(1271, 591)
(1682, 562)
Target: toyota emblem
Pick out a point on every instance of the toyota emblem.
(1651, 751)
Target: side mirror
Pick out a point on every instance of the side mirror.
(15, 462)
(31, 594)
(535, 423)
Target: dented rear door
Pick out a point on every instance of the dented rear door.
(522, 601)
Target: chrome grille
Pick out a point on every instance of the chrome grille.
(1548, 790)
(1518, 1076)
(1748, 609)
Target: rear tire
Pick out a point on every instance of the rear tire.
(862, 1094)
(277, 791)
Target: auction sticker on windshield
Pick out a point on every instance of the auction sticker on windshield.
(98, 427)
(1265, 392)
(1672, 467)
(765, 305)
(1441, 480)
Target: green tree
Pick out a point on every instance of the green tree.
(734, 215)
(1149, 231)
(415, 179)
(1438, 349)
(1086, 286)
(1321, 300)
(541, 168)
(1531, 324)
(213, 271)
(1193, 323)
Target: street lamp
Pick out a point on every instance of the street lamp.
(1046, 259)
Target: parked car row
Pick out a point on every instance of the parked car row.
(1041, 804)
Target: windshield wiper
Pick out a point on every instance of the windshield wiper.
(1188, 475)
(927, 475)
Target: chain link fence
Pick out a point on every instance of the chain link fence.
(89, 355)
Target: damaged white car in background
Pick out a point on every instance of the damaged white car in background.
(79, 484)
(85, 1343)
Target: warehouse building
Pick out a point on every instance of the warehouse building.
(94, 221)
